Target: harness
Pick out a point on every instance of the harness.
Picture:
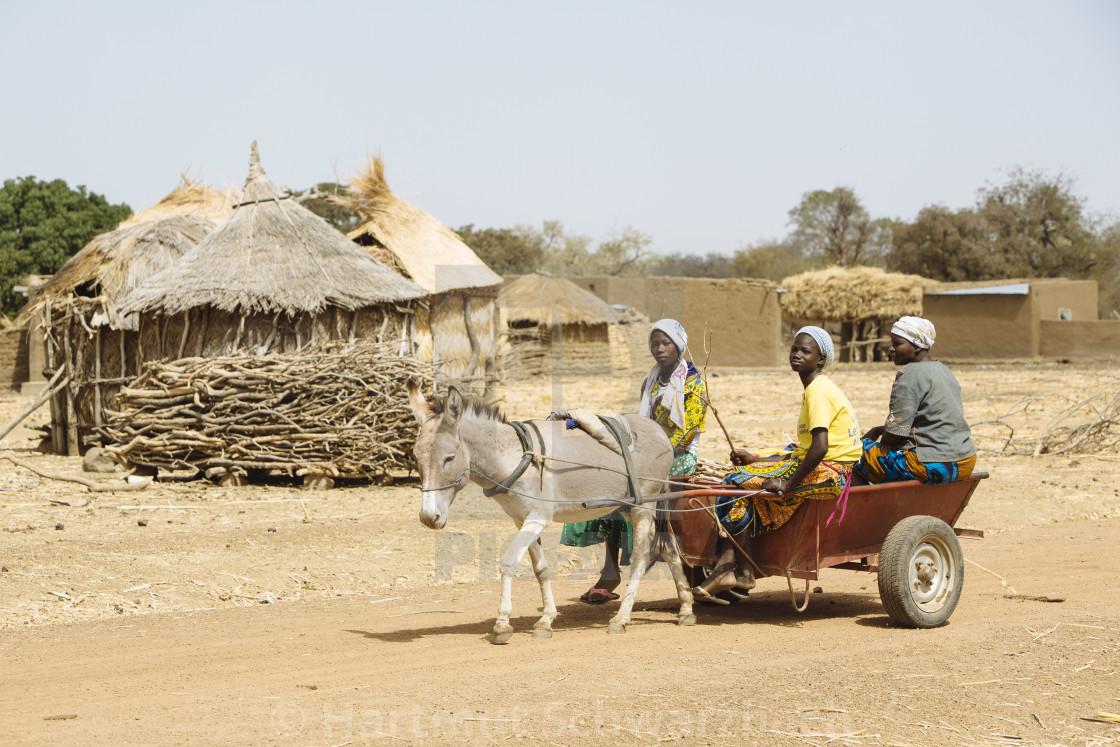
(622, 434)
(617, 429)
(526, 459)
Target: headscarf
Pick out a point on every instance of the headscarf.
(918, 331)
(824, 343)
(672, 394)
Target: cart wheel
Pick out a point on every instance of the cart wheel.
(921, 572)
(698, 575)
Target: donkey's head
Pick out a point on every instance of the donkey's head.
(441, 457)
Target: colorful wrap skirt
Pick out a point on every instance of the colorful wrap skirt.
(880, 464)
(614, 527)
(767, 511)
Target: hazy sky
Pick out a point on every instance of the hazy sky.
(698, 123)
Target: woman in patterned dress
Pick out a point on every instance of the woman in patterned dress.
(926, 436)
(816, 467)
(674, 395)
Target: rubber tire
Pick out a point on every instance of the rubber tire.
(910, 601)
(696, 576)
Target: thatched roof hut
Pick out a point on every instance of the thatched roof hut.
(78, 326)
(114, 264)
(189, 198)
(554, 326)
(458, 330)
(850, 294)
(860, 299)
(271, 255)
(270, 277)
(427, 251)
(544, 299)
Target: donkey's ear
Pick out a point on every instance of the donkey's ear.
(417, 402)
(453, 410)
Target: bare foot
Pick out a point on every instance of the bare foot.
(721, 579)
(744, 580)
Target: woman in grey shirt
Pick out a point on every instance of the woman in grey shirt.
(926, 437)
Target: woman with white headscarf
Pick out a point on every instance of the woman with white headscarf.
(926, 437)
(817, 466)
(674, 395)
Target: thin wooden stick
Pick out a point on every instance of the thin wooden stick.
(708, 402)
(1005, 584)
(336, 410)
(51, 389)
(71, 410)
(93, 487)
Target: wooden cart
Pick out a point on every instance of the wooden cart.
(903, 531)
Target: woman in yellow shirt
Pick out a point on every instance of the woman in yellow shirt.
(817, 466)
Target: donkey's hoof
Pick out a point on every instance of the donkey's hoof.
(686, 620)
(542, 630)
(616, 628)
(502, 634)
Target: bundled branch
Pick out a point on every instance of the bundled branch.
(1088, 425)
(711, 471)
(339, 411)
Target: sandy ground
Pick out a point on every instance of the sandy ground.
(195, 614)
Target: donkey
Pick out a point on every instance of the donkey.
(463, 439)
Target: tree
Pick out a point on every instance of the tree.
(1107, 271)
(835, 225)
(1038, 226)
(625, 252)
(1030, 226)
(564, 253)
(775, 260)
(42, 225)
(322, 200)
(711, 265)
(507, 251)
(946, 245)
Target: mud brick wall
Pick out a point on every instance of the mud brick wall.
(13, 358)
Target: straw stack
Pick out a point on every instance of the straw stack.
(850, 294)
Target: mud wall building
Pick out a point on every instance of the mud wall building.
(742, 315)
(1050, 318)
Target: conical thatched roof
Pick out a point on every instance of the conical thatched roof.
(428, 251)
(535, 298)
(114, 264)
(188, 198)
(848, 294)
(272, 255)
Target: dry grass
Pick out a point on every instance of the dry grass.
(547, 300)
(849, 294)
(272, 255)
(429, 252)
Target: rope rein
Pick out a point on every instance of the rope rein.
(620, 501)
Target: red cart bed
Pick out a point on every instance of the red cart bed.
(907, 523)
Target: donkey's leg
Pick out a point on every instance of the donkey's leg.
(642, 520)
(530, 530)
(666, 544)
(543, 627)
(684, 592)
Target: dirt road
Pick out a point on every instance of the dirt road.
(414, 666)
(190, 614)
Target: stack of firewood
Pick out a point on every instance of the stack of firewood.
(339, 411)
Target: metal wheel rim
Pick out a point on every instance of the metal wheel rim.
(930, 573)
